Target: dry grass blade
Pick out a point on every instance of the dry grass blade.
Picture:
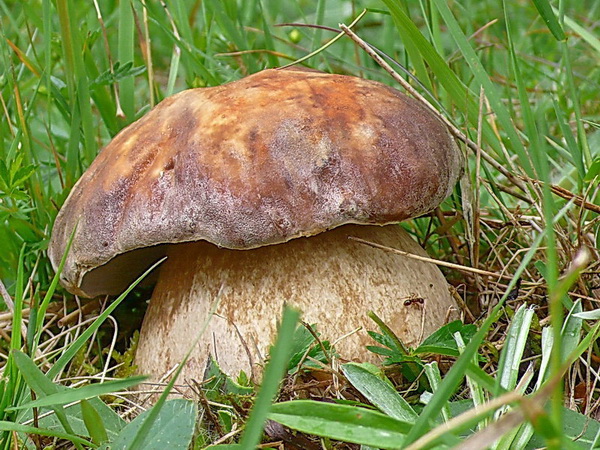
(23, 58)
(493, 432)
(6, 297)
(432, 260)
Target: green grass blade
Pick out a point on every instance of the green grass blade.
(526, 431)
(596, 441)
(465, 100)
(70, 353)
(512, 352)
(234, 32)
(82, 393)
(93, 422)
(482, 377)
(409, 31)
(537, 155)
(125, 55)
(574, 97)
(452, 379)
(588, 315)
(547, 344)
(174, 69)
(379, 392)
(62, 7)
(25, 429)
(274, 372)
(477, 394)
(571, 330)
(572, 145)
(139, 441)
(546, 13)
(173, 427)
(432, 372)
(269, 43)
(51, 289)
(585, 34)
(192, 56)
(77, 82)
(181, 19)
(326, 44)
(16, 340)
(73, 163)
(343, 422)
(491, 92)
(460, 367)
(548, 425)
(413, 52)
(101, 95)
(318, 34)
(183, 32)
(41, 385)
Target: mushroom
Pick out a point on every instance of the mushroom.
(252, 189)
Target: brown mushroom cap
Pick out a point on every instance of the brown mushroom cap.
(274, 156)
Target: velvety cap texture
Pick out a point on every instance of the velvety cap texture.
(272, 157)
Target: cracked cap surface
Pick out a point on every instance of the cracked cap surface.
(274, 156)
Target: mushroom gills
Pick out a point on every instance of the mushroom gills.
(333, 280)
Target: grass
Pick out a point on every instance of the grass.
(519, 82)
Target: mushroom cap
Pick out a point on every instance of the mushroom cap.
(271, 157)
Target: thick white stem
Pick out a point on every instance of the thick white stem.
(334, 281)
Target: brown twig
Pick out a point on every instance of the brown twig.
(314, 334)
(212, 417)
(82, 311)
(567, 195)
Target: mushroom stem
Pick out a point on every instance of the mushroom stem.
(334, 281)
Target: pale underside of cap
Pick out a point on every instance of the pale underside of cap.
(274, 156)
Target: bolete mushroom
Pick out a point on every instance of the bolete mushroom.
(251, 189)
